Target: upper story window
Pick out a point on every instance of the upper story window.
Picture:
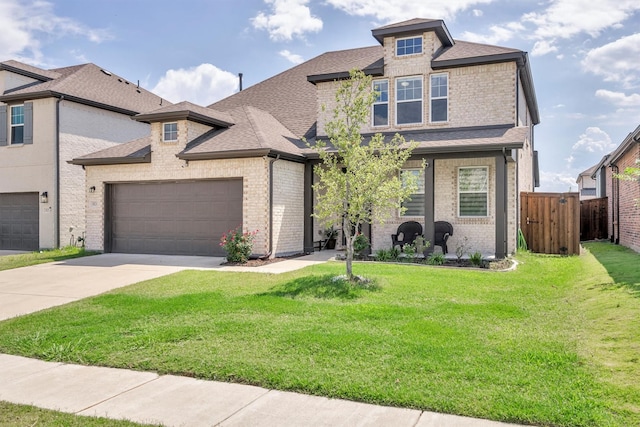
(170, 132)
(409, 100)
(381, 104)
(410, 46)
(17, 124)
(439, 98)
(415, 203)
(473, 191)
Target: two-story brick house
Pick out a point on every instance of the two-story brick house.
(48, 117)
(470, 107)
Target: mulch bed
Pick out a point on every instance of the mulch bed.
(257, 262)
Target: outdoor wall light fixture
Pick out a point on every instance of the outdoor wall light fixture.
(44, 197)
(92, 189)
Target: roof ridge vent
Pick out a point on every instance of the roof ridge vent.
(108, 73)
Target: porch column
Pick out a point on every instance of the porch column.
(501, 206)
(429, 203)
(308, 207)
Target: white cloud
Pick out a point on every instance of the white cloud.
(619, 99)
(477, 13)
(201, 85)
(25, 24)
(291, 57)
(616, 61)
(497, 33)
(287, 19)
(590, 147)
(542, 47)
(558, 182)
(399, 10)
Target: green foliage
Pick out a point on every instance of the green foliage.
(358, 183)
(522, 242)
(421, 244)
(383, 255)
(394, 253)
(360, 244)
(462, 248)
(476, 259)
(39, 257)
(436, 259)
(238, 245)
(409, 250)
(630, 173)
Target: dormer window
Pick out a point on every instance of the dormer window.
(170, 133)
(409, 46)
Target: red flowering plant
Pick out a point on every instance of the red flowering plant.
(237, 244)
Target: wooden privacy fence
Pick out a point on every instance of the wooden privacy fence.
(593, 219)
(550, 222)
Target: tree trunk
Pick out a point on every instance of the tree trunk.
(346, 230)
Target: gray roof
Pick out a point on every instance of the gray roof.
(136, 151)
(290, 98)
(87, 84)
(189, 111)
(414, 26)
(28, 70)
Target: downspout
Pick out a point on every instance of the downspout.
(271, 205)
(506, 202)
(615, 238)
(56, 226)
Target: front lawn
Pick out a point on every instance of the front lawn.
(8, 262)
(523, 346)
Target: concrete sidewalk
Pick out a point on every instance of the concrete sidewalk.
(146, 397)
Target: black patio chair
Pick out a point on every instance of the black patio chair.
(407, 233)
(444, 230)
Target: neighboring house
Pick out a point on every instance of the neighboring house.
(48, 117)
(623, 196)
(244, 160)
(587, 184)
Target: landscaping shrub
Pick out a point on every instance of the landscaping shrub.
(436, 259)
(238, 245)
(476, 259)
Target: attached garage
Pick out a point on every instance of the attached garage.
(19, 221)
(172, 218)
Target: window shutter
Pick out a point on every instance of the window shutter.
(3, 125)
(28, 122)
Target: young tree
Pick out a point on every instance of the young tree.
(358, 181)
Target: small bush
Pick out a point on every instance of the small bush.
(394, 253)
(383, 255)
(409, 250)
(462, 248)
(238, 245)
(421, 244)
(476, 259)
(436, 259)
(360, 244)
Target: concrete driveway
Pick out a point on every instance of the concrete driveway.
(29, 289)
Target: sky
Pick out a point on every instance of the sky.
(584, 54)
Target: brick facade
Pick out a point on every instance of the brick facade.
(624, 213)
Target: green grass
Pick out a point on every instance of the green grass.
(40, 257)
(532, 346)
(12, 415)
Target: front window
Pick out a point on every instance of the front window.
(439, 97)
(17, 124)
(170, 132)
(415, 204)
(409, 100)
(473, 191)
(410, 46)
(381, 104)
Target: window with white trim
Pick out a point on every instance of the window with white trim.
(17, 124)
(409, 46)
(409, 100)
(439, 97)
(415, 204)
(380, 108)
(170, 132)
(473, 191)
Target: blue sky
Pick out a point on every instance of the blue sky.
(585, 54)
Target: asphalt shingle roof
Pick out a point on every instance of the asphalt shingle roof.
(92, 85)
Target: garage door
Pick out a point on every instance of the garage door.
(173, 218)
(19, 221)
